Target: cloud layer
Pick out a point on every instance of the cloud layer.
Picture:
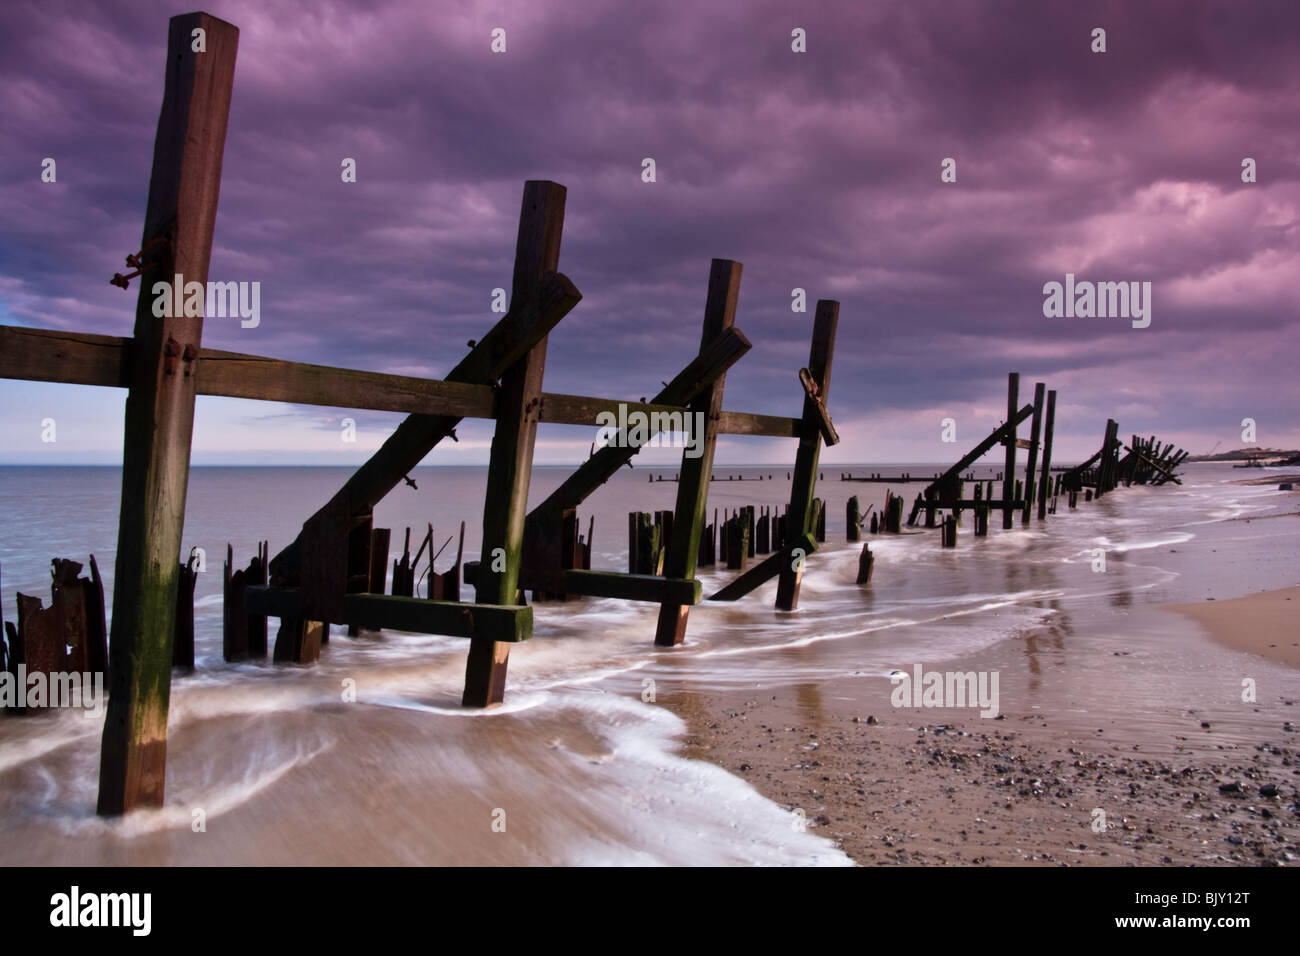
(818, 170)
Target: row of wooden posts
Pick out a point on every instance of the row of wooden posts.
(309, 584)
(327, 575)
(744, 533)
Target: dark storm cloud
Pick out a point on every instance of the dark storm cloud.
(819, 171)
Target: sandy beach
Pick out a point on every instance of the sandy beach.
(943, 786)
(1266, 624)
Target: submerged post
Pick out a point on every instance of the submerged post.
(181, 212)
(518, 408)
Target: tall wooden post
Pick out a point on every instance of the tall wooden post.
(1045, 481)
(182, 210)
(1030, 465)
(1009, 475)
(1104, 468)
(799, 518)
(693, 485)
(518, 408)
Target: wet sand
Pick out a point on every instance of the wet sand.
(1079, 783)
(1266, 624)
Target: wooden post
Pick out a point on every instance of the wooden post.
(159, 418)
(852, 519)
(866, 561)
(799, 518)
(380, 539)
(1045, 482)
(693, 485)
(950, 532)
(1009, 475)
(183, 641)
(537, 252)
(1032, 464)
(737, 542)
(1105, 466)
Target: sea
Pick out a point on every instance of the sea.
(367, 757)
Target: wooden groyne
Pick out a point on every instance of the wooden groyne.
(336, 570)
(333, 573)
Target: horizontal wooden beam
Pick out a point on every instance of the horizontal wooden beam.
(632, 587)
(76, 358)
(993, 504)
(495, 622)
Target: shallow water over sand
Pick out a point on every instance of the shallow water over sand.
(581, 768)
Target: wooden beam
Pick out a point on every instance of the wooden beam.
(1151, 464)
(75, 358)
(693, 484)
(79, 358)
(804, 483)
(532, 315)
(997, 436)
(1045, 480)
(633, 587)
(765, 570)
(159, 420)
(505, 623)
(770, 426)
(510, 464)
(541, 534)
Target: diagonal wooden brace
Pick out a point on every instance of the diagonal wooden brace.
(518, 331)
(542, 567)
(765, 570)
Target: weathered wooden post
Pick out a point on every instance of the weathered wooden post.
(852, 519)
(183, 641)
(1106, 466)
(737, 542)
(181, 210)
(950, 532)
(1032, 463)
(799, 519)
(1045, 482)
(1009, 475)
(693, 487)
(866, 562)
(518, 408)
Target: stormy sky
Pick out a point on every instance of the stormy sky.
(818, 170)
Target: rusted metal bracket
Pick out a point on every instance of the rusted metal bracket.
(136, 261)
(824, 423)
